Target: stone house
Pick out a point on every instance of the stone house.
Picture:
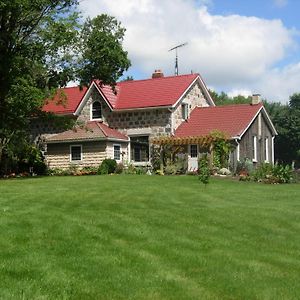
(120, 123)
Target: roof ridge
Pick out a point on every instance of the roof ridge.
(160, 78)
(231, 105)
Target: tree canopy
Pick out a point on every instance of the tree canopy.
(44, 44)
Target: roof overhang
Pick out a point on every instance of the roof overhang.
(86, 140)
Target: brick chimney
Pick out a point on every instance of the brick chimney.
(158, 74)
(256, 99)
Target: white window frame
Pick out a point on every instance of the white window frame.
(184, 111)
(267, 158)
(254, 148)
(117, 145)
(81, 155)
(91, 111)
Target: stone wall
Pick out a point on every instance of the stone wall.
(194, 97)
(153, 122)
(85, 114)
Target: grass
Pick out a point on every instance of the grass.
(148, 237)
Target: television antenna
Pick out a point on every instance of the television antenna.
(176, 56)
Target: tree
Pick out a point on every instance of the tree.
(43, 45)
(102, 39)
(224, 99)
(286, 119)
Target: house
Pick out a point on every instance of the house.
(120, 123)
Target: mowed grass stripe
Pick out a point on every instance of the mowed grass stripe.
(148, 237)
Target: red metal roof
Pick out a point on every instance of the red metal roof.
(164, 91)
(230, 119)
(92, 131)
(65, 100)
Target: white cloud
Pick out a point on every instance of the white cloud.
(280, 3)
(232, 52)
(238, 92)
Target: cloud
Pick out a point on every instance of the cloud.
(280, 3)
(231, 52)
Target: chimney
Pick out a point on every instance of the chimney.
(256, 99)
(158, 74)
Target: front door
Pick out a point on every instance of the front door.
(193, 158)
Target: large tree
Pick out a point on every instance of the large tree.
(286, 118)
(43, 45)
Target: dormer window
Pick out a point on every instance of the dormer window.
(185, 111)
(96, 112)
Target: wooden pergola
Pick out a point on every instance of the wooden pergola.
(206, 141)
(203, 141)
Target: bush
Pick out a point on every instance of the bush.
(170, 168)
(108, 166)
(204, 171)
(119, 168)
(277, 173)
(88, 170)
(244, 167)
(130, 169)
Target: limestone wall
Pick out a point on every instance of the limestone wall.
(153, 122)
(193, 97)
(85, 114)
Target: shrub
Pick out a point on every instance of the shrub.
(155, 157)
(119, 168)
(88, 170)
(204, 171)
(244, 167)
(108, 166)
(32, 160)
(130, 169)
(140, 170)
(277, 173)
(170, 168)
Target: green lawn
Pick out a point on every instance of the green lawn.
(148, 237)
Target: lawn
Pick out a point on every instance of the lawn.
(148, 237)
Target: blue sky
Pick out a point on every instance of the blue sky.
(238, 46)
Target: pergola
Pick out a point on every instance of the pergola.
(207, 141)
(203, 141)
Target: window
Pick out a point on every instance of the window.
(139, 148)
(194, 150)
(76, 153)
(267, 149)
(254, 148)
(185, 111)
(117, 152)
(96, 110)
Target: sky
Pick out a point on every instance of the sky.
(238, 46)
